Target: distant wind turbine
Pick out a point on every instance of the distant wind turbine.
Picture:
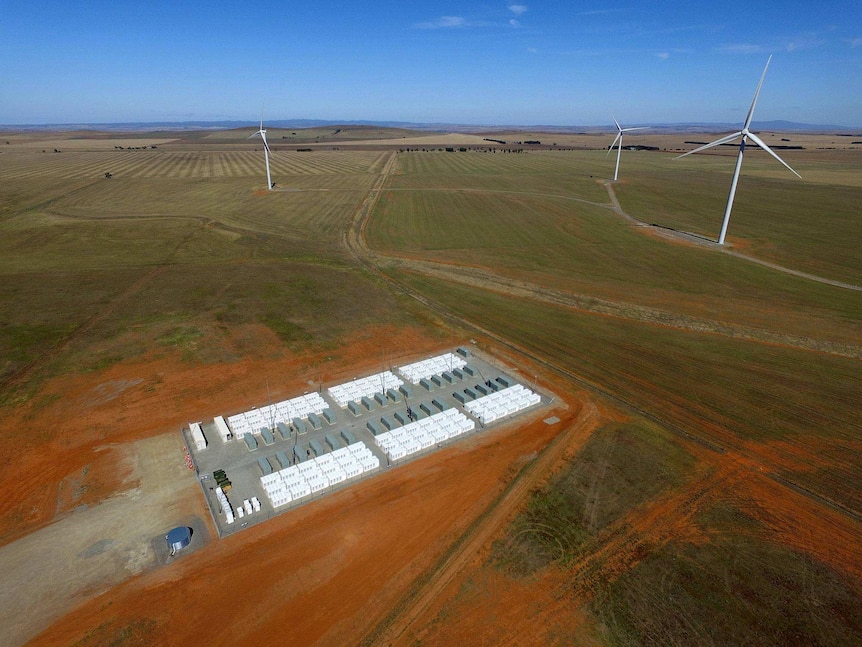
(619, 138)
(746, 133)
(262, 133)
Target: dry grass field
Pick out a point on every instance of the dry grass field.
(702, 484)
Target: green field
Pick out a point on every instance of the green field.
(548, 236)
(201, 250)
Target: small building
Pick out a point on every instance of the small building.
(348, 437)
(266, 434)
(332, 441)
(300, 426)
(354, 408)
(299, 453)
(447, 377)
(440, 403)
(222, 428)
(402, 417)
(468, 370)
(470, 393)
(504, 381)
(425, 384)
(481, 388)
(460, 397)
(463, 352)
(458, 373)
(368, 403)
(380, 398)
(406, 390)
(393, 395)
(198, 437)
(329, 415)
(250, 442)
(437, 381)
(314, 421)
(178, 538)
(388, 422)
(426, 408)
(282, 459)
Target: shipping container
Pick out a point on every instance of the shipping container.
(348, 437)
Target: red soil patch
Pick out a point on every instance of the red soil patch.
(60, 458)
(326, 572)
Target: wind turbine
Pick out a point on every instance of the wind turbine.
(262, 133)
(619, 138)
(746, 134)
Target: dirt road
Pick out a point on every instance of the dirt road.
(395, 628)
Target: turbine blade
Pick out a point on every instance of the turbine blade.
(750, 114)
(616, 122)
(763, 145)
(611, 147)
(256, 132)
(717, 142)
(625, 130)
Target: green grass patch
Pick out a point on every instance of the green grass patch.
(809, 226)
(557, 242)
(621, 467)
(739, 588)
(714, 387)
(109, 634)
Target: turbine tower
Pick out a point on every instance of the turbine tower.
(619, 138)
(746, 134)
(262, 133)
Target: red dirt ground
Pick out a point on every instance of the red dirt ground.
(61, 448)
(331, 571)
(326, 572)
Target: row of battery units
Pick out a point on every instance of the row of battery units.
(424, 433)
(503, 403)
(312, 476)
(300, 407)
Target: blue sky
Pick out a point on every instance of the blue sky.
(553, 63)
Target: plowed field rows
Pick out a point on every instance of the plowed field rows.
(190, 165)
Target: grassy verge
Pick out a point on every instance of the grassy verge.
(621, 467)
(738, 588)
(729, 391)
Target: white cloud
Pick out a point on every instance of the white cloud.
(514, 23)
(855, 42)
(663, 55)
(532, 50)
(518, 9)
(444, 22)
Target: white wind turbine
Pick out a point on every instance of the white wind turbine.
(619, 138)
(262, 133)
(746, 134)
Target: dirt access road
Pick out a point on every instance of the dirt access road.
(394, 628)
